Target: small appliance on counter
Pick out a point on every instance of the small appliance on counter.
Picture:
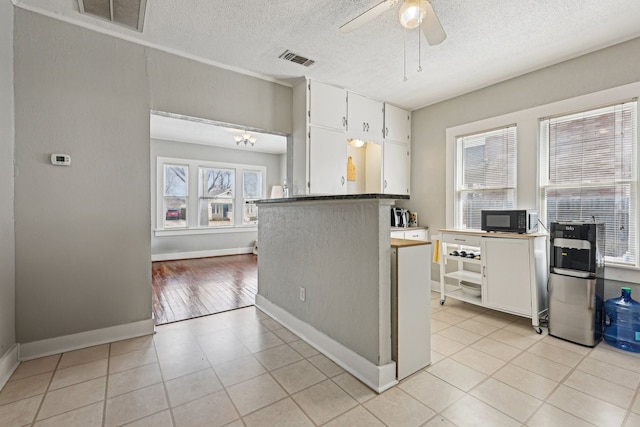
(576, 281)
(519, 221)
(400, 217)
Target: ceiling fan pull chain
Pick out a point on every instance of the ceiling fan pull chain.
(405, 56)
(419, 49)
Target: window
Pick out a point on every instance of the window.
(222, 194)
(216, 195)
(486, 174)
(251, 191)
(588, 172)
(175, 195)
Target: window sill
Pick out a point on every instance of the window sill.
(197, 231)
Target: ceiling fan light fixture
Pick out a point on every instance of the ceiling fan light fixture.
(412, 13)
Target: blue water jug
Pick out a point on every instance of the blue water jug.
(622, 322)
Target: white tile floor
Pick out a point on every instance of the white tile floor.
(242, 368)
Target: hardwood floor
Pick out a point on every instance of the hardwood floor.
(185, 289)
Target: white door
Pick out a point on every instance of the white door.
(327, 161)
(396, 168)
(397, 124)
(507, 278)
(327, 105)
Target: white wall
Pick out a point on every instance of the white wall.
(83, 233)
(607, 68)
(218, 241)
(7, 237)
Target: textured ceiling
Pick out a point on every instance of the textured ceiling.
(488, 41)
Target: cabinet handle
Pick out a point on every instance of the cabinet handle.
(385, 184)
(364, 126)
(344, 121)
(460, 240)
(367, 127)
(386, 131)
(342, 180)
(484, 271)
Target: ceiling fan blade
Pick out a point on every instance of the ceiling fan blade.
(431, 27)
(367, 16)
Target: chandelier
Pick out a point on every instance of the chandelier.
(246, 138)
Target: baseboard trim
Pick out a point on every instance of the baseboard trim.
(378, 378)
(8, 363)
(47, 347)
(200, 254)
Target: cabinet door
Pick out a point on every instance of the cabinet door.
(327, 105)
(365, 118)
(507, 277)
(397, 124)
(396, 168)
(327, 161)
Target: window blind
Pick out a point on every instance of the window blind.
(486, 174)
(589, 173)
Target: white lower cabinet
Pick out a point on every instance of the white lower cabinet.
(507, 269)
(508, 272)
(410, 307)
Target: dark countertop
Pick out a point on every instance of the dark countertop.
(312, 197)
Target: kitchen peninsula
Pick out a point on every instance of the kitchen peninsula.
(324, 272)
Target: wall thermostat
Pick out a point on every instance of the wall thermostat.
(61, 159)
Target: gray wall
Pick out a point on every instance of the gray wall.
(339, 251)
(83, 240)
(203, 242)
(7, 238)
(607, 68)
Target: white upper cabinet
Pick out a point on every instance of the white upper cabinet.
(327, 161)
(365, 118)
(397, 124)
(396, 167)
(327, 105)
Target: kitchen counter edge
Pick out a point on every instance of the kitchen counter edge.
(311, 197)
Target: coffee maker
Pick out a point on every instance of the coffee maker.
(400, 217)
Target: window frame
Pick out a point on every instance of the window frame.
(634, 200)
(528, 154)
(193, 227)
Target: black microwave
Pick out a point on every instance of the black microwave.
(522, 221)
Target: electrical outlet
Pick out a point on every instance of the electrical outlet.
(303, 294)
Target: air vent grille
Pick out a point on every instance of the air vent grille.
(129, 13)
(287, 55)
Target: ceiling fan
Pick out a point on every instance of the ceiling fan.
(412, 14)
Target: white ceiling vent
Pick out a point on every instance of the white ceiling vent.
(294, 57)
(129, 13)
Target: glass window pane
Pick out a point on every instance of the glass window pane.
(175, 180)
(252, 184)
(487, 175)
(216, 193)
(250, 213)
(175, 212)
(176, 188)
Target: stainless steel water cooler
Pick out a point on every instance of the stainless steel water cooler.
(576, 281)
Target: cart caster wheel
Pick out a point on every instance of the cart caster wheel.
(538, 330)
(441, 302)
